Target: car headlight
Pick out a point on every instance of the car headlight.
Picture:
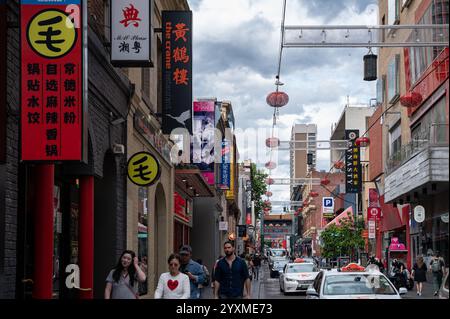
(290, 279)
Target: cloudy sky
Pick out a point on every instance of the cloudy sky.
(236, 44)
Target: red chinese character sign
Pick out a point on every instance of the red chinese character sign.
(177, 70)
(130, 33)
(52, 80)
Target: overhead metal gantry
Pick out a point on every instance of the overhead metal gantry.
(296, 181)
(319, 145)
(365, 36)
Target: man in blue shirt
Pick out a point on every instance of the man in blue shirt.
(231, 277)
(192, 269)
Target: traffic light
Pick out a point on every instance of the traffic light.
(310, 159)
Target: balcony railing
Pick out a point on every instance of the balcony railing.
(437, 135)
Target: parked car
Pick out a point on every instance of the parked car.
(297, 277)
(443, 292)
(353, 282)
(277, 267)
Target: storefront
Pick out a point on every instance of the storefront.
(182, 220)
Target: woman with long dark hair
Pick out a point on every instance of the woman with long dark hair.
(122, 281)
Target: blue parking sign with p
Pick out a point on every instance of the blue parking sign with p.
(328, 201)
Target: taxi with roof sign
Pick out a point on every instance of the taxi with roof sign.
(353, 282)
(297, 276)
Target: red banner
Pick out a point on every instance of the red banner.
(52, 80)
(180, 207)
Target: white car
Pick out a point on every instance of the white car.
(297, 277)
(352, 282)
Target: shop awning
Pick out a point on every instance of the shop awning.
(393, 218)
(348, 213)
(191, 182)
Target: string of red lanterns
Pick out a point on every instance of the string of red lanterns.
(362, 141)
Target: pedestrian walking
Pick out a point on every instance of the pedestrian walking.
(437, 268)
(192, 269)
(231, 277)
(207, 277)
(173, 284)
(256, 266)
(122, 281)
(419, 274)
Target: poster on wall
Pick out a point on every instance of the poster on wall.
(203, 139)
(52, 80)
(131, 33)
(177, 70)
(224, 167)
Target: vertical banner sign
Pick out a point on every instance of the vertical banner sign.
(131, 33)
(224, 174)
(3, 81)
(203, 139)
(52, 80)
(352, 163)
(372, 229)
(248, 201)
(177, 70)
(373, 198)
(229, 194)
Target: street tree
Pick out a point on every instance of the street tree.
(343, 239)
(259, 187)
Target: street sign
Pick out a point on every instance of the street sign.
(143, 169)
(327, 207)
(374, 213)
(352, 163)
(419, 214)
(372, 229)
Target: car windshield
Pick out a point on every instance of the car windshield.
(279, 264)
(357, 284)
(300, 268)
(278, 253)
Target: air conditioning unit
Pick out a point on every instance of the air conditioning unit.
(118, 149)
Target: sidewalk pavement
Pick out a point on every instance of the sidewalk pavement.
(427, 290)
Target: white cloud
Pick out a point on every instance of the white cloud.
(235, 58)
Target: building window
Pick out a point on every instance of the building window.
(393, 12)
(393, 79)
(145, 80)
(433, 126)
(395, 139)
(381, 90)
(107, 21)
(422, 58)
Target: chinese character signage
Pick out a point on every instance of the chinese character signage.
(180, 207)
(131, 33)
(52, 80)
(143, 169)
(352, 163)
(177, 70)
(3, 81)
(229, 194)
(203, 139)
(248, 202)
(224, 171)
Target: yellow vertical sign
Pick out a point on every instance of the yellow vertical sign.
(229, 194)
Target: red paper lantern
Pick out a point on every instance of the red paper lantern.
(339, 165)
(411, 99)
(325, 181)
(269, 194)
(272, 142)
(299, 209)
(277, 99)
(305, 202)
(313, 194)
(362, 141)
(271, 165)
(270, 181)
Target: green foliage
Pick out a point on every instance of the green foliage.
(342, 240)
(259, 187)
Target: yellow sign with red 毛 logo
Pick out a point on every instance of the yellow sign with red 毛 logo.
(143, 169)
(51, 33)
